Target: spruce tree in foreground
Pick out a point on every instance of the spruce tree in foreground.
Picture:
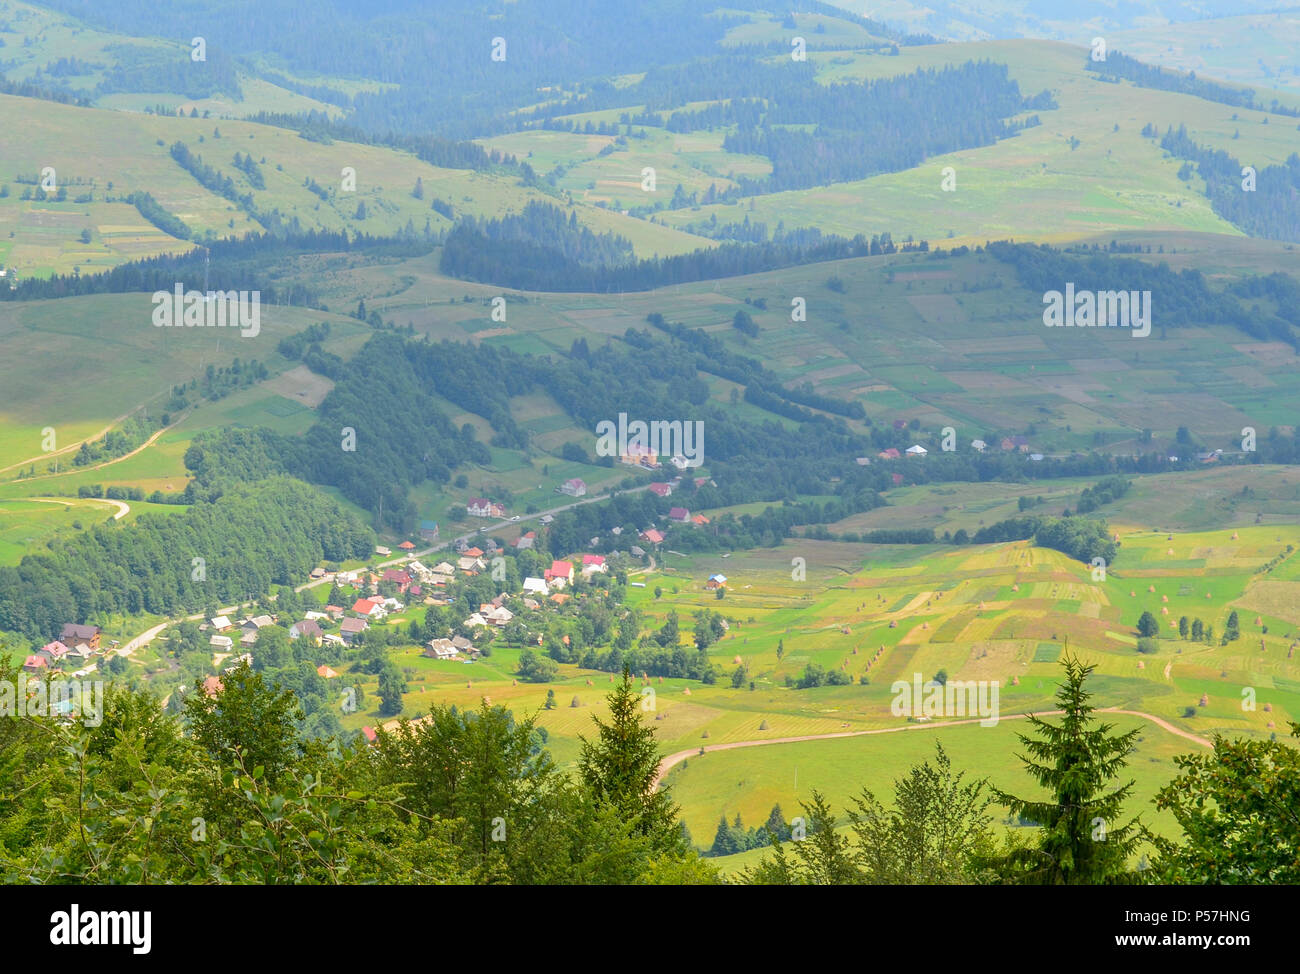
(620, 767)
(1081, 842)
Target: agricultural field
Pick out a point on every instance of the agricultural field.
(812, 377)
(116, 153)
(997, 613)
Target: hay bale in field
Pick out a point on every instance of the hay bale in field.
(1205, 700)
(763, 725)
(686, 691)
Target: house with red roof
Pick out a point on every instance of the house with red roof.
(366, 607)
(560, 571)
(479, 507)
(53, 652)
(661, 490)
(574, 487)
(890, 454)
(406, 546)
(36, 664)
(679, 514)
(653, 535)
(593, 563)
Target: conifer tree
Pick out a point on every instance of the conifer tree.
(1077, 760)
(620, 767)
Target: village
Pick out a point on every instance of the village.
(386, 593)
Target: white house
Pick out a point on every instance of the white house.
(917, 451)
(441, 649)
(574, 488)
(536, 585)
(978, 446)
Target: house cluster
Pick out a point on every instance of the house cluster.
(225, 633)
(638, 455)
(1008, 444)
(75, 649)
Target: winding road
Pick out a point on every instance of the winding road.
(672, 760)
(123, 508)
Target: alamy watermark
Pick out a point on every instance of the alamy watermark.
(955, 698)
(1098, 309)
(220, 309)
(80, 699)
(676, 438)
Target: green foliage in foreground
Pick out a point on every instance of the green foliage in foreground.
(230, 794)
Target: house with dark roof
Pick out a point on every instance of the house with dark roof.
(308, 628)
(398, 577)
(74, 634)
